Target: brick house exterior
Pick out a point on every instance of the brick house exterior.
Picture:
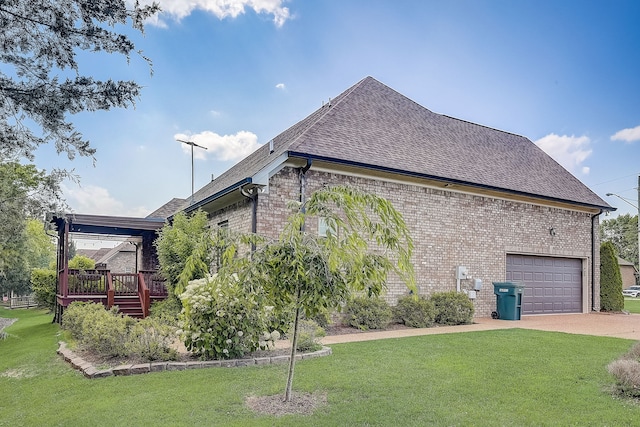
(472, 196)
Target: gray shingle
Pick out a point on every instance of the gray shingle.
(373, 125)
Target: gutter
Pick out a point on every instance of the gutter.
(215, 196)
(311, 157)
(593, 259)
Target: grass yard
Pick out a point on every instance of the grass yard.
(509, 377)
(632, 305)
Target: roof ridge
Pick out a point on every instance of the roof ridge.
(481, 125)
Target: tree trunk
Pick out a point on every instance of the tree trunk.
(292, 359)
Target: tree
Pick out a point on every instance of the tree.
(367, 240)
(40, 249)
(42, 84)
(25, 192)
(611, 298)
(184, 250)
(81, 262)
(622, 232)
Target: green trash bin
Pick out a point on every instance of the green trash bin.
(508, 300)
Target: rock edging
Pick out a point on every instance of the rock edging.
(90, 371)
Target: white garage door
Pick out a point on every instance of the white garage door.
(552, 285)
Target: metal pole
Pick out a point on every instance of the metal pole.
(192, 144)
(638, 229)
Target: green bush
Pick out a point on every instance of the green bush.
(364, 313)
(611, 298)
(452, 308)
(81, 262)
(167, 311)
(43, 284)
(106, 332)
(309, 334)
(221, 319)
(414, 311)
(152, 339)
(110, 334)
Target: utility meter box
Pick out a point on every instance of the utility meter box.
(462, 272)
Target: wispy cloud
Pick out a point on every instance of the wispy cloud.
(91, 199)
(178, 9)
(281, 86)
(627, 135)
(569, 151)
(221, 147)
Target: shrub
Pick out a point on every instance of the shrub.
(611, 298)
(414, 311)
(81, 262)
(167, 311)
(152, 339)
(110, 334)
(43, 284)
(222, 319)
(309, 334)
(452, 308)
(368, 313)
(106, 332)
(627, 374)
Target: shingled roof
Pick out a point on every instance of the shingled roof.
(371, 125)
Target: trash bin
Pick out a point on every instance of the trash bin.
(508, 300)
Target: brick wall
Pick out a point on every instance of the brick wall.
(449, 228)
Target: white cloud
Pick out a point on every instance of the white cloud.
(627, 135)
(281, 86)
(178, 9)
(569, 151)
(215, 113)
(91, 199)
(222, 147)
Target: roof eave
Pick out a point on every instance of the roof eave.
(350, 163)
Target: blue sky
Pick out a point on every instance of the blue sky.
(565, 74)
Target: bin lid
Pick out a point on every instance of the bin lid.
(511, 285)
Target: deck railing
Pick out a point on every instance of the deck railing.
(92, 284)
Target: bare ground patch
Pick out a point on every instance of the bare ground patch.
(300, 404)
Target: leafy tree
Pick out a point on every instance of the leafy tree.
(611, 298)
(81, 262)
(184, 250)
(622, 232)
(25, 192)
(367, 240)
(43, 285)
(40, 249)
(41, 82)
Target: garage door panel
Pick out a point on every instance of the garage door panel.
(552, 285)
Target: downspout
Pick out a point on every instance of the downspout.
(303, 188)
(593, 261)
(253, 196)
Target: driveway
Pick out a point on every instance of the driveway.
(601, 324)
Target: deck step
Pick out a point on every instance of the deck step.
(129, 306)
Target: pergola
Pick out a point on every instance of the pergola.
(105, 286)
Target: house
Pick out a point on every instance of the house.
(122, 258)
(628, 272)
(476, 199)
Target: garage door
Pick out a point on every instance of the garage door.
(552, 285)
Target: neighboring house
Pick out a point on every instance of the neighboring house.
(473, 197)
(121, 259)
(628, 272)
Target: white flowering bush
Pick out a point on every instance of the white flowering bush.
(222, 319)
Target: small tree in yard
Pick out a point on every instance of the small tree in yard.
(611, 298)
(367, 239)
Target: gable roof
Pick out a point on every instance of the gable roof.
(372, 126)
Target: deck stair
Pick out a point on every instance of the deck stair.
(129, 305)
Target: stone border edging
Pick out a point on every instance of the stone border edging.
(90, 371)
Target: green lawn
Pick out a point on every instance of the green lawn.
(509, 377)
(632, 305)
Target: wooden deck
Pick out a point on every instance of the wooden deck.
(133, 293)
